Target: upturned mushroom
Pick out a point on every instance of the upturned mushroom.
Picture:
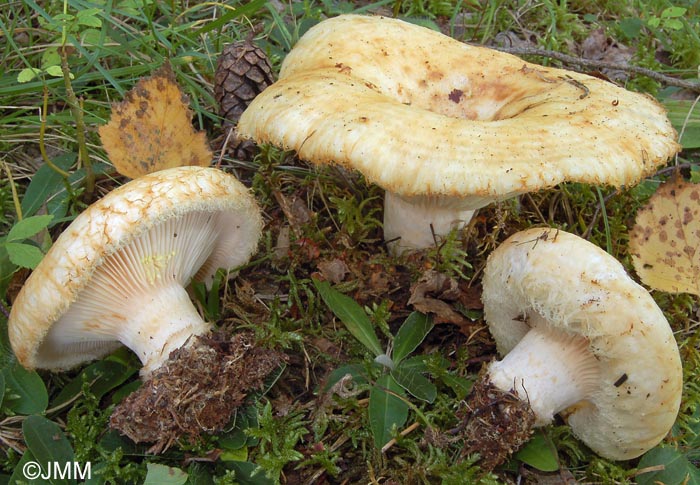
(445, 127)
(579, 338)
(118, 274)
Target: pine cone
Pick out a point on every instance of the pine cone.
(243, 71)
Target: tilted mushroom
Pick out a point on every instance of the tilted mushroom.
(117, 274)
(579, 338)
(445, 127)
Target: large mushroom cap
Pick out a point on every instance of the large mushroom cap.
(553, 281)
(423, 115)
(174, 225)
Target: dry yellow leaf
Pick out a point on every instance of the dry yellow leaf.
(665, 241)
(152, 129)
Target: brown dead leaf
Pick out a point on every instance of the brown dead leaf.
(428, 293)
(333, 270)
(152, 129)
(295, 210)
(599, 46)
(665, 239)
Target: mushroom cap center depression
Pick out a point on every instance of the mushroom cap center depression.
(456, 95)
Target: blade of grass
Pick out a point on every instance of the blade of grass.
(606, 221)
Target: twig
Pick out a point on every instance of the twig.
(591, 63)
(404, 432)
(42, 132)
(76, 109)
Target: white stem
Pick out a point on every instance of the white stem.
(416, 224)
(165, 319)
(549, 369)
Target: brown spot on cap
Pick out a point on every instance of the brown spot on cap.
(687, 215)
(456, 95)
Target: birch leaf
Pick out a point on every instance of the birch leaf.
(665, 241)
(151, 129)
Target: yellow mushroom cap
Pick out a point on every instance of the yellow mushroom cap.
(427, 117)
(561, 287)
(159, 231)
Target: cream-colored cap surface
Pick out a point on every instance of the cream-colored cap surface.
(558, 280)
(420, 113)
(140, 207)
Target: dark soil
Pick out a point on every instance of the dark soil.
(494, 423)
(197, 390)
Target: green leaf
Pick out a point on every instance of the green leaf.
(387, 410)
(692, 445)
(164, 475)
(415, 383)
(28, 227)
(7, 270)
(673, 24)
(199, 474)
(685, 118)
(412, 332)
(94, 37)
(676, 467)
(25, 255)
(351, 314)
(248, 473)
(539, 453)
(18, 475)
(88, 17)
(50, 57)
(209, 298)
(630, 27)
(120, 394)
(112, 441)
(357, 371)
(672, 12)
(233, 440)
(654, 22)
(44, 186)
(417, 363)
(460, 385)
(56, 71)
(47, 443)
(102, 377)
(25, 391)
(26, 75)
(645, 189)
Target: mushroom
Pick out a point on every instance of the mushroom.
(118, 273)
(445, 127)
(579, 338)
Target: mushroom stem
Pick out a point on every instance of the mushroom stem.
(548, 368)
(547, 372)
(409, 225)
(166, 319)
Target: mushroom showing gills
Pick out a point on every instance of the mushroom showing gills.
(445, 127)
(117, 274)
(578, 338)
